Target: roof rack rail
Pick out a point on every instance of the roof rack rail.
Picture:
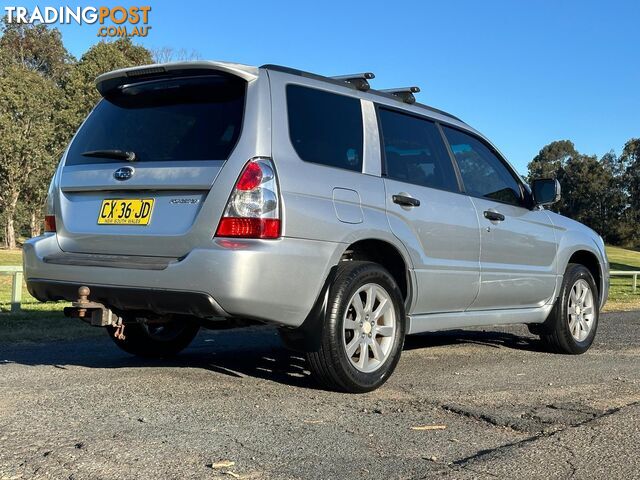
(315, 76)
(404, 93)
(358, 80)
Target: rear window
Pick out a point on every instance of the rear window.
(415, 152)
(325, 128)
(189, 118)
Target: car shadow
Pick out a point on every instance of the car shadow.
(494, 339)
(249, 352)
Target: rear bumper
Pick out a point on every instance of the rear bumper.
(128, 298)
(274, 281)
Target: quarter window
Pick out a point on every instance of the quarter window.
(483, 173)
(415, 152)
(325, 128)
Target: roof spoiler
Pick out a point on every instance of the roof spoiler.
(112, 80)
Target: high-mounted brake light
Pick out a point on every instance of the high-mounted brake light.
(49, 223)
(253, 210)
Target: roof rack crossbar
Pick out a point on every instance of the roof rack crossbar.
(358, 80)
(404, 93)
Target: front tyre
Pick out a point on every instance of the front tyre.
(363, 333)
(151, 339)
(572, 324)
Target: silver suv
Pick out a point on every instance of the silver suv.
(204, 194)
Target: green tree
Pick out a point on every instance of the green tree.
(552, 159)
(586, 183)
(35, 47)
(27, 135)
(614, 199)
(592, 189)
(551, 162)
(46, 94)
(630, 158)
(80, 90)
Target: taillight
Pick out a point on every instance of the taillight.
(49, 223)
(253, 210)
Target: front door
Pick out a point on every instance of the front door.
(518, 245)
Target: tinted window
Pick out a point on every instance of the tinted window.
(415, 152)
(325, 128)
(192, 118)
(483, 173)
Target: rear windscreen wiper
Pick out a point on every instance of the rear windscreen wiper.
(117, 154)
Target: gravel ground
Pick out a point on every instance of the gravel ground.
(497, 406)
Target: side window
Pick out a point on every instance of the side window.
(325, 128)
(483, 173)
(415, 152)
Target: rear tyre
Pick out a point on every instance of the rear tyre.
(363, 333)
(155, 340)
(572, 324)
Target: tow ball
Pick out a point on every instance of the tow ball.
(94, 313)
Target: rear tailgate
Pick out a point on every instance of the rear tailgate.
(181, 128)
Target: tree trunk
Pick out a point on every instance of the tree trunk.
(35, 225)
(11, 232)
(11, 213)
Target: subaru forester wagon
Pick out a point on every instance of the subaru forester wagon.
(202, 194)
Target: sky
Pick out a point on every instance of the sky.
(524, 73)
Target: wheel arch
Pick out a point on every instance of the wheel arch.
(592, 263)
(307, 336)
(387, 255)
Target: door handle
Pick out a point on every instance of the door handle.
(493, 216)
(406, 201)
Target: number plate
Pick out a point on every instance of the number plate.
(124, 211)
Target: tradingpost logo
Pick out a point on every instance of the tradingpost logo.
(113, 21)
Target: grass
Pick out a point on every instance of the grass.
(621, 296)
(37, 322)
(44, 321)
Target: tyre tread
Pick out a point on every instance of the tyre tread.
(553, 336)
(323, 363)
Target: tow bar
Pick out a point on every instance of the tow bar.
(94, 313)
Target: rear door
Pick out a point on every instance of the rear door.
(518, 244)
(178, 132)
(429, 214)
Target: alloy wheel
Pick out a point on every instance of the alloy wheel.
(369, 328)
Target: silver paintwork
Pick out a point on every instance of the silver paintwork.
(369, 328)
(516, 259)
(246, 72)
(462, 269)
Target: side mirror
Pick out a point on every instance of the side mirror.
(546, 191)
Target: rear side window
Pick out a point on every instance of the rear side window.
(189, 118)
(483, 173)
(325, 128)
(415, 152)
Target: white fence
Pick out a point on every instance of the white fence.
(627, 273)
(16, 284)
